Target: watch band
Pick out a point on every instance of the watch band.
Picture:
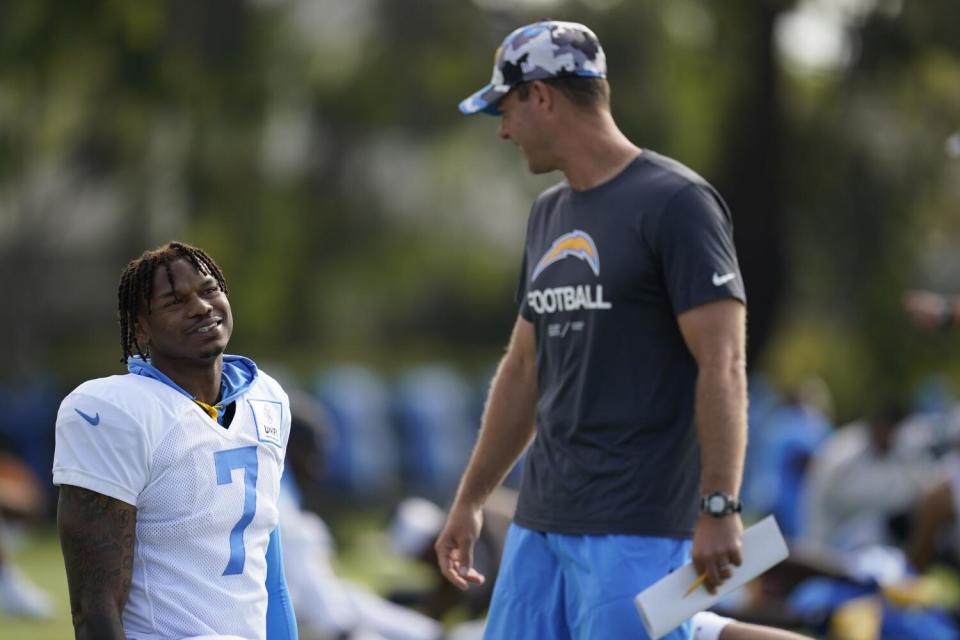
(719, 504)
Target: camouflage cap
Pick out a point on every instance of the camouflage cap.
(538, 51)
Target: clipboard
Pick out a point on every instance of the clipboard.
(663, 605)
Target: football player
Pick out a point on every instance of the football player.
(169, 474)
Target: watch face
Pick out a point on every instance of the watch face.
(716, 504)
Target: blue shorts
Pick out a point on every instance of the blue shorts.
(553, 586)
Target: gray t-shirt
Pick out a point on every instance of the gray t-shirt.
(605, 274)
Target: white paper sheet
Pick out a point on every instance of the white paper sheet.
(663, 606)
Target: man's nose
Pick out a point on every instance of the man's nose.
(502, 131)
(199, 306)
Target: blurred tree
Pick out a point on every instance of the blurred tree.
(314, 147)
(751, 160)
(866, 156)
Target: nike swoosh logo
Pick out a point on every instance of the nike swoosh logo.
(94, 420)
(724, 279)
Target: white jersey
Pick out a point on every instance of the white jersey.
(206, 497)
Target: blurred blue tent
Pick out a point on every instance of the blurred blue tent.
(363, 455)
(436, 422)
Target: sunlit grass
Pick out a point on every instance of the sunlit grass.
(39, 558)
(363, 557)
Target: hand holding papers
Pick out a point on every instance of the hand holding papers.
(664, 605)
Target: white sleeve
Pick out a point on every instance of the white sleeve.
(101, 448)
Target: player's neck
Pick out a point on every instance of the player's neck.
(594, 152)
(202, 381)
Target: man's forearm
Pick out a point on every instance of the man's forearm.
(506, 430)
(97, 535)
(98, 625)
(721, 407)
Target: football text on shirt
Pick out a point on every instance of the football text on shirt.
(555, 299)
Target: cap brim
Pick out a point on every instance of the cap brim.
(485, 100)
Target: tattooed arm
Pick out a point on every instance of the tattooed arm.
(96, 536)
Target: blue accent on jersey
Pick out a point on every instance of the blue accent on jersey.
(281, 621)
(238, 375)
(94, 420)
(225, 461)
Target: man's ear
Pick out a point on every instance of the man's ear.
(542, 95)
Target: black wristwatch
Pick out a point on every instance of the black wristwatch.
(719, 504)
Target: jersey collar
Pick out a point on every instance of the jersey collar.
(239, 374)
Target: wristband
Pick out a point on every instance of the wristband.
(708, 626)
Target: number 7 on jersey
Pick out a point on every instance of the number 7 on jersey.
(226, 461)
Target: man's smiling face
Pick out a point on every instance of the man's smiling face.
(189, 320)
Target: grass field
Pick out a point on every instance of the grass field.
(39, 557)
(362, 557)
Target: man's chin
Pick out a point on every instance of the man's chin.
(211, 354)
(538, 168)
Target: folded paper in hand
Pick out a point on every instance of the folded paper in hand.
(663, 605)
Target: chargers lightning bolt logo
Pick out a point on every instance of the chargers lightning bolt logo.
(578, 244)
(94, 420)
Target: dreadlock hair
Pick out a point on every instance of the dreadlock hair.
(136, 286)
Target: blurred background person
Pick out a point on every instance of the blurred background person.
(861, 481)
(414, 530)
(21, 497)
(929, 311)
(783, 440)
(327, 606)
(25, 499)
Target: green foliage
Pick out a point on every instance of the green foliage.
(40, 559)
(315, 149)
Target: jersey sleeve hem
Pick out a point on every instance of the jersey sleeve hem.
(87, 480)
(706, 299)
